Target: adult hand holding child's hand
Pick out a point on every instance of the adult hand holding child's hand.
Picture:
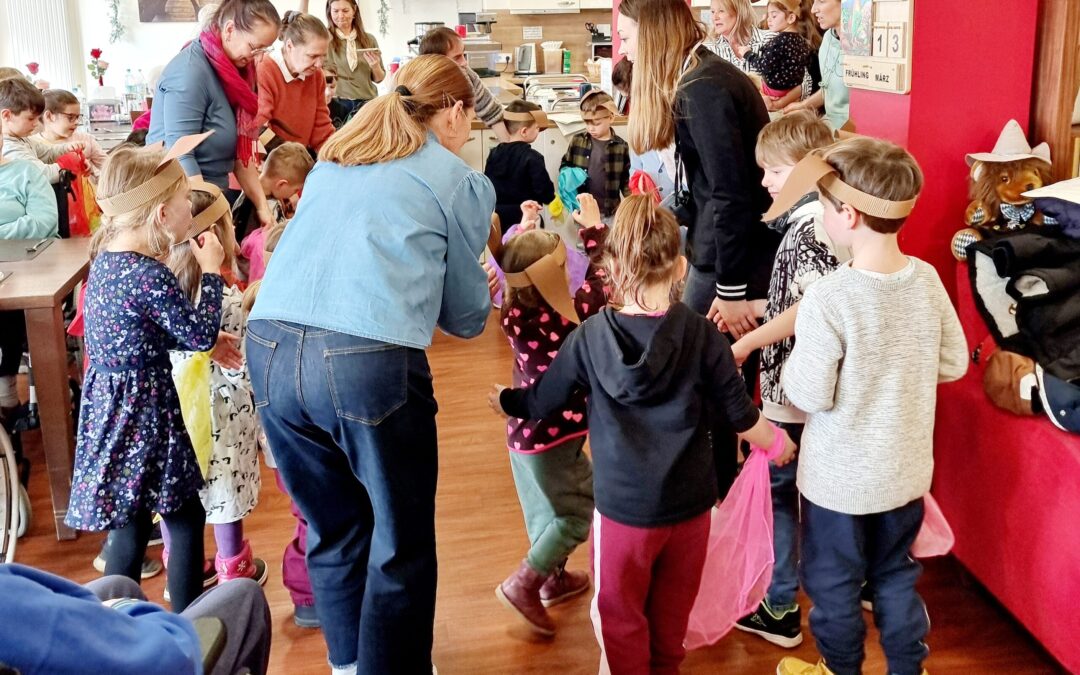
(789, 450)
(226, 352)
(493, 400)
(589, 213)
(208, 252)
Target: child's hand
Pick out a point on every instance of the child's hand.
(492, 279)
(208, 252)
(740, 351)
(793, 107)
(741, 51)
(530, 216)
(589, 213)
(226, 352)
(758, 307)
(76, 146)
(789, 450)
(493, 400)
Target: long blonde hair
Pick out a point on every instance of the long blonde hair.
(642, 249)
(126, 168)
(744, 20)
(667, 33)
(393, 125)
(182, 261)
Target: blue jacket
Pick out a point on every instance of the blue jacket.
(385, 251)
(190, 100)
(51, 626)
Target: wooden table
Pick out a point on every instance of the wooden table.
(38, 287)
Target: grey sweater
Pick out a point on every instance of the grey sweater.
(869, 353)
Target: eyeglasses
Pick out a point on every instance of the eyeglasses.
(255, 51)
(74, 118)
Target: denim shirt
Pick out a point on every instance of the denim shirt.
(385, 251)
(190, 100)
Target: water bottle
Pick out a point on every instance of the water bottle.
(144, 90)
(129, 83)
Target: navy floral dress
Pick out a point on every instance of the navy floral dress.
(133, 453)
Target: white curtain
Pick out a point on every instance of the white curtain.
(38, 30)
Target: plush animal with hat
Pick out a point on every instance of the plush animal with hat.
(1000, 178)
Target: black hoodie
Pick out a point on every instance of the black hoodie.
(518, 173)
(653, 384)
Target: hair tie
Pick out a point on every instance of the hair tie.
(403, 90)
(289, 16)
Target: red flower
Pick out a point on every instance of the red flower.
(95, 53)
(32, 67)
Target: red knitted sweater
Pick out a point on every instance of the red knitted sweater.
(296, 111)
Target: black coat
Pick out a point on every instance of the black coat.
(518, 173)
(718, 116)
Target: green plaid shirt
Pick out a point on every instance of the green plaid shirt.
(616, 167)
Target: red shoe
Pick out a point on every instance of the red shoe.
(241, 566)
(521, 593)
(563, 585)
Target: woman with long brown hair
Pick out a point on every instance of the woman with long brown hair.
(384, 246)
(686, 95)
(355, 57)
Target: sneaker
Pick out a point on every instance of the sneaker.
(150, 567)
(242, 566)
(210, 577)
(783, 629)
(866, 598)
(794, 666)
(305, 617)
(155, 536)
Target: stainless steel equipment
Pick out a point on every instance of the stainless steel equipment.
(477, 24)
(422, 27)
(526, 59)
(555, 93)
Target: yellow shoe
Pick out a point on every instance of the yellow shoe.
(794, 666)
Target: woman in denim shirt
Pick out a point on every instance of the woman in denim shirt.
(384, 247)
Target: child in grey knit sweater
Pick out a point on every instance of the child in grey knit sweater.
(873, 340)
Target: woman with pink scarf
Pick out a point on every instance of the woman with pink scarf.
(210, 86)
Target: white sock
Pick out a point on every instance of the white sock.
(9, 398)
(347, 670)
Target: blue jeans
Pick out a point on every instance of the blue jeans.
(785, 504)
(352, 425)
(839, 553)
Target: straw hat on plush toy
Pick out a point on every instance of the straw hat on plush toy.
(1012, 145)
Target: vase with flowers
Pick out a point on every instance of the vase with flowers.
(97, 67)
(33, 67)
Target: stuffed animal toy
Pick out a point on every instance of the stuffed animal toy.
(999, 179)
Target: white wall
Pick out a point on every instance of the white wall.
(145, 45)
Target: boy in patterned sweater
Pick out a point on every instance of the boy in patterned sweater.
(803, 257)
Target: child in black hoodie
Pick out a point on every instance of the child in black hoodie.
(516, 169)
(655, 372)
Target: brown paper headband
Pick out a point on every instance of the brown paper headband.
(168, 172)
(548, 275)
(609, 104)
(538, 116)
(211, 214)
(813, 173)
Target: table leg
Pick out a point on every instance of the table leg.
(48, 354)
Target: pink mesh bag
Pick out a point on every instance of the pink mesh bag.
(739, 562)
(935, 536)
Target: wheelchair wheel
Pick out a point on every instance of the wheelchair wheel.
(10, 500)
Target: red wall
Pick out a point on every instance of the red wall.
(972, 72)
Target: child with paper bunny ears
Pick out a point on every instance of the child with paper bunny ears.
(552, 475)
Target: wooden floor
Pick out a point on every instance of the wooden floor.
(481, 539)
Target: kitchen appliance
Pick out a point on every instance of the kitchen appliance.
(477, 24)
(526, 59)
(482, 55)
(555, 93)
(422, 27)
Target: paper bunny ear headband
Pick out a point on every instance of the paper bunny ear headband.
(548, 275)
(168, 172)
(814, 173)
(211, 214)
(538, 116)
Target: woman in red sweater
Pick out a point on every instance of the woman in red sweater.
(291, 85)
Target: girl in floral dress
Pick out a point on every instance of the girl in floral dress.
(133, 456)
(232, 471)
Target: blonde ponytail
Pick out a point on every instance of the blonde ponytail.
(642, 249)
(394, 125)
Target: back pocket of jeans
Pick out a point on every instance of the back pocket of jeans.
(367, 383)
(260, 352)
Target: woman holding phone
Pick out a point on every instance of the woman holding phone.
(354, 55)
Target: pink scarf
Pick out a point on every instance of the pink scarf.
(239, 85)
